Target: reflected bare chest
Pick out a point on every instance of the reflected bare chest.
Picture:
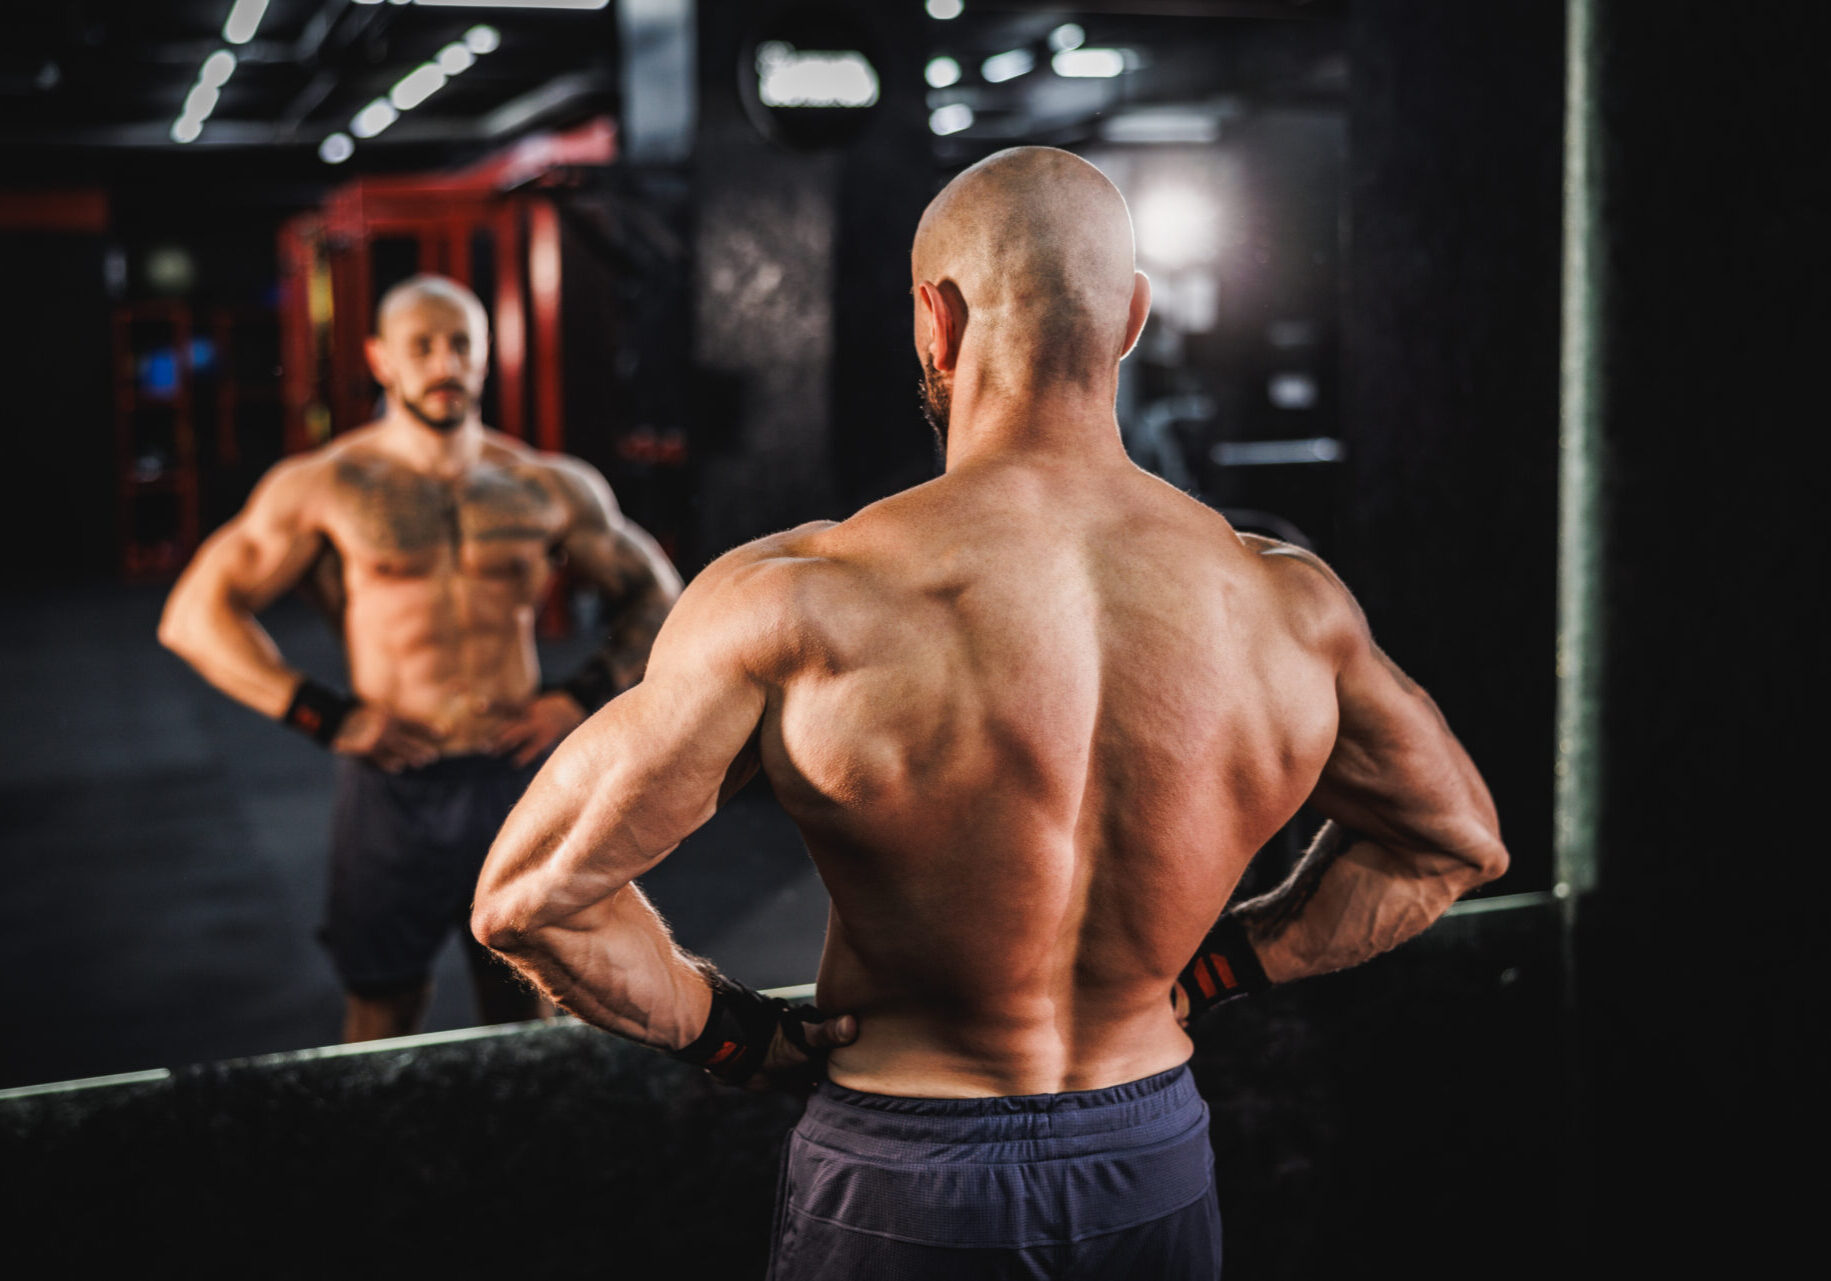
(391, 522)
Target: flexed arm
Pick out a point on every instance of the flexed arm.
(619, 557)
(557, 897)
(210, 621)
(1411, 826)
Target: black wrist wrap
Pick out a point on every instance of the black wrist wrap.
(739, 1029)
(318, 711)
(1223, 968)
(592, 686)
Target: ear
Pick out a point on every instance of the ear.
(943, 311)
(1140, 312)
(378, 360)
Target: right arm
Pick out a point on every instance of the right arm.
(1411, 825)
(241, 569)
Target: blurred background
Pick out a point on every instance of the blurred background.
(1503, 309)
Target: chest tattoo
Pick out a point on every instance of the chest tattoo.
(401, 512)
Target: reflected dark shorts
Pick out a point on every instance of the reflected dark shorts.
(1092, 1184)
(406, 849)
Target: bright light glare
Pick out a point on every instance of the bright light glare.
(952, 118)
(1088, 62)
(243, 19)
(217, 68)
(942, 72)
(200, 101)
(787, 77)
(1067, 36)
(1176, 227)
(1292, 391)
(945, 9)
(454, 58)
(186, 129)
(417, 86)
(1007, 66)
(482, 39)
(375, 117)
(336, 149)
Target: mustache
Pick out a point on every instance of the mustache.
(447, 386)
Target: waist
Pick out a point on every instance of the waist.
(1156, 1109)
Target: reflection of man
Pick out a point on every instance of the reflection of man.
(1033, 718)
(433, 540)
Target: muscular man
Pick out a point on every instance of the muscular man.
(1033, 719)
(431, 539)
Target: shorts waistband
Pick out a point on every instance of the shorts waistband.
(1150, 1110)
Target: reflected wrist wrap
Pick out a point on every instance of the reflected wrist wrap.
(1224, 967)
(318, 711)
(739, 1028)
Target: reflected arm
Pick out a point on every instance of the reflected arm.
(241, 569)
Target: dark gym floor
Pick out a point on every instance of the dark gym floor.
(164, 854)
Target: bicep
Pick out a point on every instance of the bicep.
(639, 775)
(264, 550)
(607, 548)
(1397, 772)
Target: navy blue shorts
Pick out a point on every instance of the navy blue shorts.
(1092, 1184)
(406, 849)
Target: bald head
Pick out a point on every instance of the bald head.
(427, 288)
(1038, 244)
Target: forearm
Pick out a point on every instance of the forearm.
(232, 651)
(1349, 900)
(615, 965)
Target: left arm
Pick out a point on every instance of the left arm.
(618, 556)
(557, 897)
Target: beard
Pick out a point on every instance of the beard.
(937, 398)
(448, 421)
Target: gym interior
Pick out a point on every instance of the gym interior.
(1506, 310)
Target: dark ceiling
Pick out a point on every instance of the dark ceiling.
(92, 88)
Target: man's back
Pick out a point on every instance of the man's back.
(1034, 719)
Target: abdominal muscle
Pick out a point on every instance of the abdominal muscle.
(447, 652)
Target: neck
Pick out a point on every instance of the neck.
(429, 449)
(990, 417)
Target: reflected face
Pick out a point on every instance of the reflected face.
(937, 397)
(432, 357)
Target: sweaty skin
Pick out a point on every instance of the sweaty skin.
(1032, 718)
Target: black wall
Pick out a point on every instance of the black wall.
(1700, 955)
(1450, 413)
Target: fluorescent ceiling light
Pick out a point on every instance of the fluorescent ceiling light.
(482, 39)
(186, 129)
(417, 86)
(945, 9)
(454, 58)
(217, 68)
(201, 101)
(1007, 66)
(788, 77)
(1161, 124)
(336, 148)
(243, 19)
(514, 4)
(1088, 62)
(952, 118)
(1067, 36)
(942, 72)
(375, 117)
